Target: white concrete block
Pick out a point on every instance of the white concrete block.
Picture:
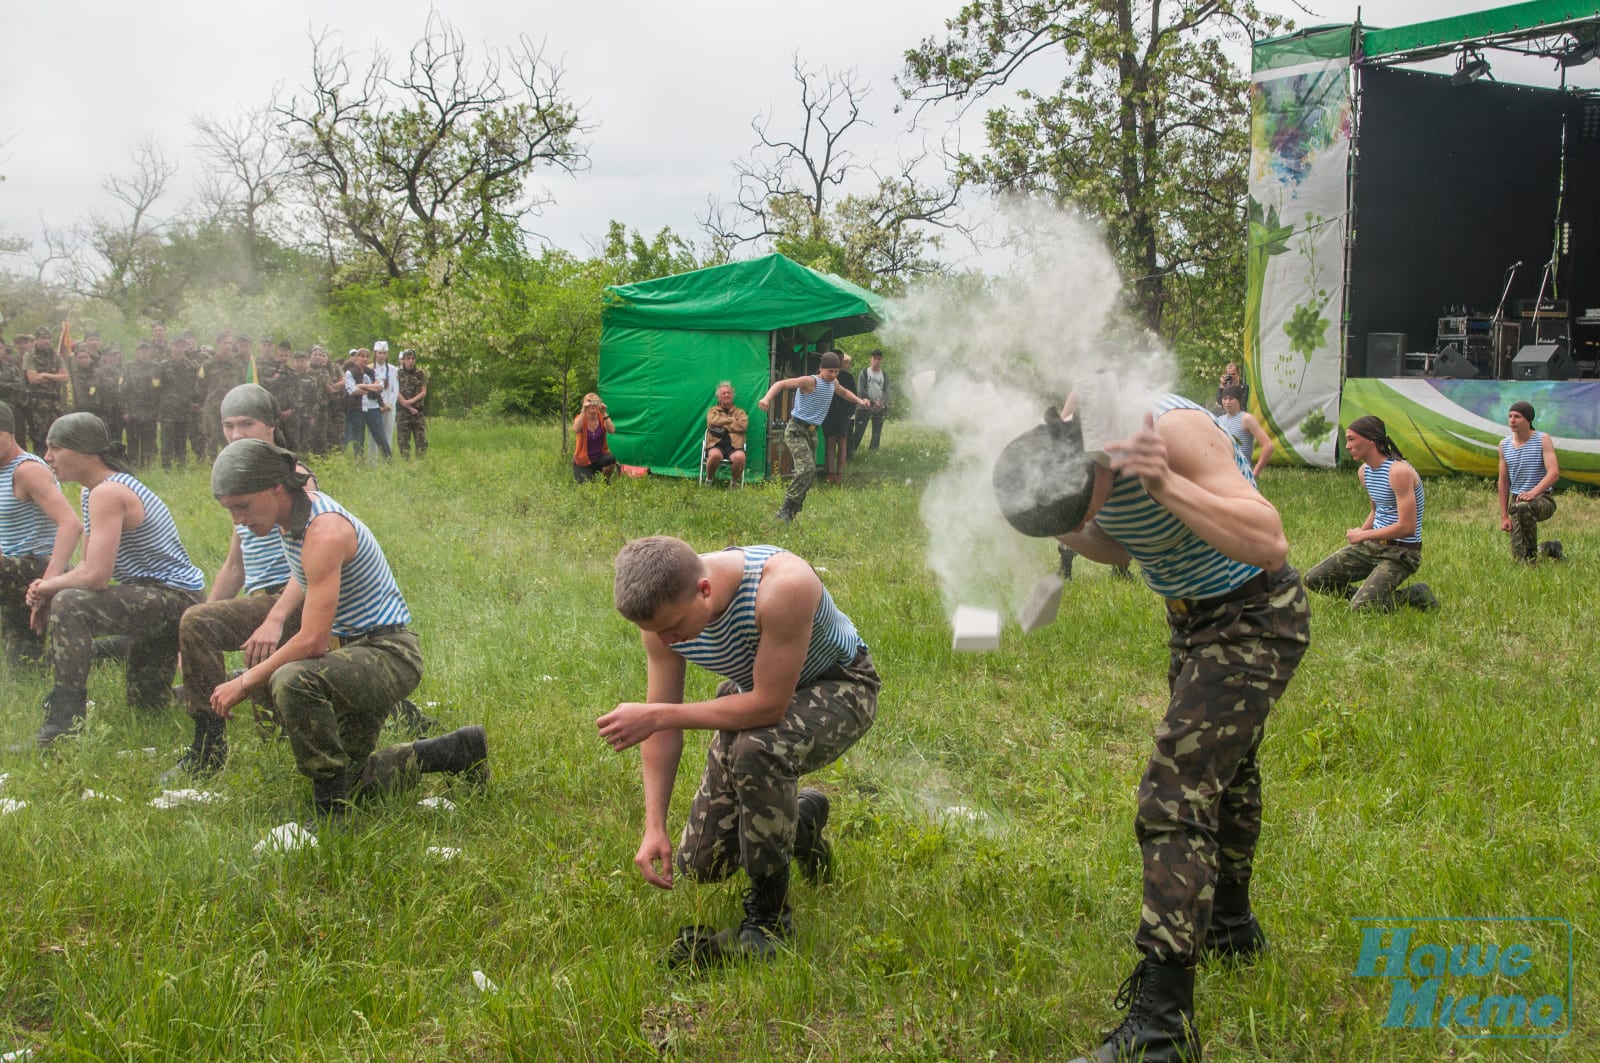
(975, 629)
(1043, 603)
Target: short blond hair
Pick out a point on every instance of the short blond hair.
(652, 572)
(592, 399)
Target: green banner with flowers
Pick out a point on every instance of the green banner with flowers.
(1301, 120)
(1456, 425)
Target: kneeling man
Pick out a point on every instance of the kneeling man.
(333, 681)
(800, 690)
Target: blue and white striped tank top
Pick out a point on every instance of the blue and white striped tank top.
(25, 529)
(1175, 562)
(152, 551)
(812, 406)
(1243, 441)
(1386, 510)
(368, 594)
(728, 644)
(264, 563)
(1524, 464)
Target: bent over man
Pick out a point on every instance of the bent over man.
(800, 689)
(130, 538)
(1177, 497)
(333, 681)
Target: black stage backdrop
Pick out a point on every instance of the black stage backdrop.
(1454, 184)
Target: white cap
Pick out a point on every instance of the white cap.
(381, 345)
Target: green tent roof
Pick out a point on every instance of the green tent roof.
(1535, 18)
(763, 294)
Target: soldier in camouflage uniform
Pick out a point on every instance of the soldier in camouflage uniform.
(180, 381)
(1177, 498)
(305, 391)
(801, 689)
(47, 388)
(141, 404)
(14, 384)
(329, 411)
(220, 373)
(335, 680)
(108, 390)
(411, 422)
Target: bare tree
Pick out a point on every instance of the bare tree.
(122, 240)
(411, 164)
(792, 192)
(248, 163)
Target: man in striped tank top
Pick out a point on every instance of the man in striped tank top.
(1176, 497)
(813, 397)
(38, 533)
(1246, 431)
(129, 538)
(1528, 470)
(335, 679)
(1387, 548)
(800, 689)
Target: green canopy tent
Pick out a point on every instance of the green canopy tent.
(666, 343)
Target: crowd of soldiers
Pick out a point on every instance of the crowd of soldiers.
(169, 394)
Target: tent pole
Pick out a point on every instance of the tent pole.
(1352, 171)
(772, 378)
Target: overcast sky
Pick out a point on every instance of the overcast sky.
(670, 85)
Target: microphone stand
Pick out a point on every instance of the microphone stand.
(1499, 322)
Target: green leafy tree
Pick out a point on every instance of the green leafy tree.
(408, 165)
(1147, 131)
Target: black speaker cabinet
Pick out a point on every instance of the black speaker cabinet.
(1452, 363)
(1543, 361)
(1386, 353)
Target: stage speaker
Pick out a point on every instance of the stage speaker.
(1452, 363)
(1543, 361)
(1386, 353)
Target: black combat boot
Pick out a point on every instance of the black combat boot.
(63, 712)
(1421, 596)
(1234, 934)
(1160, 1023)
(461, 752)
(784, 514)
(811, 850)
(330, 797)
(768, 923)
(206, 754)
(411, 719)
(1551, 548)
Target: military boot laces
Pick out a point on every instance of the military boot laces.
(63, 713)
(812, 851)
(1159, 1027)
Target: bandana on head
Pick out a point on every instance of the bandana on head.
(1524, 408)
(86, 434)
(1373, 429)
(253, 401)
(248, 466)
(8, 419)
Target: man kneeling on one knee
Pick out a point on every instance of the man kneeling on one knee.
(333, 681)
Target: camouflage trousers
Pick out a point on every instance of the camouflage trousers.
(1367, 573)
(147, 613)
(1525, 520)
(333, 706)
(42, 413)
(211, 629)
(801, 440)
(22, 643)
(142, 443)
(411, 427)
(178, 437)
(1199, 804)
(744, 814)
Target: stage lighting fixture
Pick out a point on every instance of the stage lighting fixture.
(1581, 53)
(1469, 68)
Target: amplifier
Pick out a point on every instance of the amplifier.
(1452, 327)
(1527, 307)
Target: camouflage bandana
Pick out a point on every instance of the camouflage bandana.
(86, 434)
(249, 466)
(253, 401)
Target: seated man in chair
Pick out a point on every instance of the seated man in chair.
(726, 428)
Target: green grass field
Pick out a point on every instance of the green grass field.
(1421, 766)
